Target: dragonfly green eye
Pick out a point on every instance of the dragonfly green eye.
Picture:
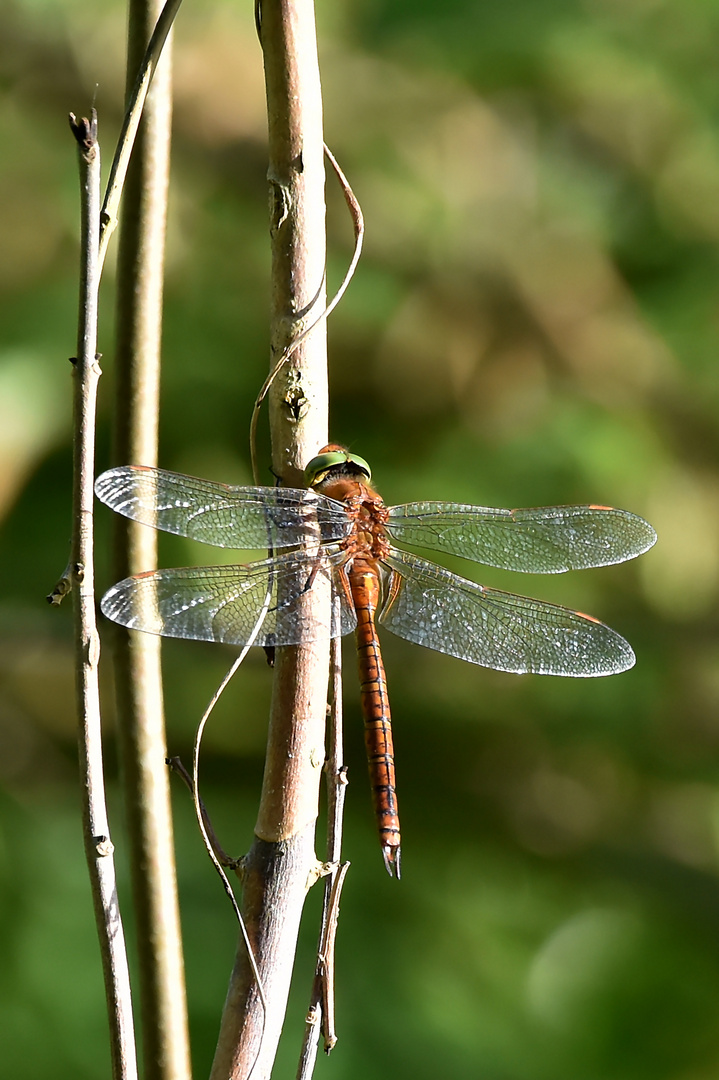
(319, 466)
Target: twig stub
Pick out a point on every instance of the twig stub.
(85, 131)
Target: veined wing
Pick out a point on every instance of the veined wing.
(431, 606)
(223, 603)
(233, 517)
(544, 540)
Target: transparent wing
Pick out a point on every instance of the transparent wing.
(233, 517)
(545, 540)
(431, 606)
(223, 603)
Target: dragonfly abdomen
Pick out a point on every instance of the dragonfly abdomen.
(377, 717)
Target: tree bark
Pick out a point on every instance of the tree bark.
(282, 865)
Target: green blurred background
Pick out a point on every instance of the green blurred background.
(535, 320)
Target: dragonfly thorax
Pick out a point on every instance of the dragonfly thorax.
(367, 512)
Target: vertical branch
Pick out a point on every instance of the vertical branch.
(281, 864)
(321, 1012)
(299, 399)
(134, 111)
(137, 656)
(98, 847)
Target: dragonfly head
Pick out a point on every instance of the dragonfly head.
(335, 462)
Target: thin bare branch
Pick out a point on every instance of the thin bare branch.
(336, 791)
(335, 767)
(226, 860)
(131, 124)
(310, 1043)
(138, 681)
(98, 846)
(321, 1012)
(327, 956)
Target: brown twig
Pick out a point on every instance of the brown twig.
(225, 860)
(336, 791)
(98, 846)
(321, 1012)
(334, 767)
(326, 974)
(138, 680)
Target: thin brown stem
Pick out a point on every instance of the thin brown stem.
(335, 767)
(131, 123)
(336, 790)
(137, 656)
(321, 1011)
(98, 846)
(223, 857)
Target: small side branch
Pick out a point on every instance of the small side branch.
(321, 1011)
(98, 846)
(336, 791)
(223, 857)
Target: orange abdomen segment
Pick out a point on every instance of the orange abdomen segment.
(377, 719)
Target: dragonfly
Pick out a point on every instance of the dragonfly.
(337, 534)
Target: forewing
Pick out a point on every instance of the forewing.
(232, 517)
(432, 607)
(225, 603)
(544, 540)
